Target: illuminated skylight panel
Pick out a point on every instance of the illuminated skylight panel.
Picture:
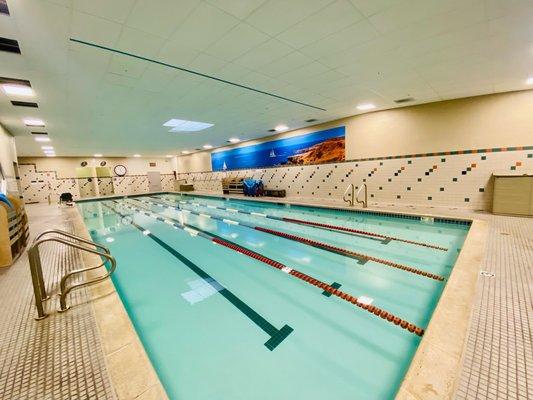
(181, 125)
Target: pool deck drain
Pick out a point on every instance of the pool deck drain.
(498, 355)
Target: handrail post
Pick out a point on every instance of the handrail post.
(352, 194)
(39, 290)
(365, 201)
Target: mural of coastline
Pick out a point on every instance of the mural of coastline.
(312, 148)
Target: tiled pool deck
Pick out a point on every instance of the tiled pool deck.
(62, 357)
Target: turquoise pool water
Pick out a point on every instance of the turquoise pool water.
(218, 324)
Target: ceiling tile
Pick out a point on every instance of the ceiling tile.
(263, 54)
(203, 27)
(275, 16)
(285, 64)
(371, 7)
(236, 42)
(330, 19)
(93, 29)
(116, 10)
(160, 17)
(238, 8)
(139, 43)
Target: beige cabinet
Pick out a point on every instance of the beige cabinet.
(513, 194)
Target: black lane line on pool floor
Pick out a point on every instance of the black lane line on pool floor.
(334, 285)
(276, 335)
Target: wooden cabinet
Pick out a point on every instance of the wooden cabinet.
(14, 231)
(513, 194)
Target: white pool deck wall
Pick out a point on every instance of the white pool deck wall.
(434, 371)
(435, 154)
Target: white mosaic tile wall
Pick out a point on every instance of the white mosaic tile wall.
(38, 185)
(461, 179)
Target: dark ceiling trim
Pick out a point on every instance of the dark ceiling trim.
(193, 72)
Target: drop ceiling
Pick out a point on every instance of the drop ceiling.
(332, 54)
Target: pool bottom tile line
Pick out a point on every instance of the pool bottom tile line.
(276, 335)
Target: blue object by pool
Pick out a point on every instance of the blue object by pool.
(220, 324)
(4, 199)
(252, 187)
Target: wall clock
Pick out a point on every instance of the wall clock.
(120, 170)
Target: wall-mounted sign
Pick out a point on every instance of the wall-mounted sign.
(312, 148)
(152, 164)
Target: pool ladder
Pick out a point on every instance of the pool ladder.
(351, 197)
(70, 240)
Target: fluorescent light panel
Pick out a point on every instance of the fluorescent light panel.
(529, 81)
(33, 122)
(366, 107)
(97, 155)
(207, 146)
(42, 139)
(281, 128)
(136, 155)
(234, 140)
(182, 125)
(17, 90)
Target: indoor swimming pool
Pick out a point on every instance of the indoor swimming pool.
(238, 299)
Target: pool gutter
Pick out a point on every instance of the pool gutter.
(436, 365)
(132, 374)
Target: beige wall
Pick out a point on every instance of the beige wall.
(499, 120)
(66, 166)
(8, 155)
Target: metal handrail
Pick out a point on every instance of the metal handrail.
(365, 201)
(37, 273)
(352, 195)
(72, 236)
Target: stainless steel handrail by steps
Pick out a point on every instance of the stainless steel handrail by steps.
(68, 239)
(365, 201)
(352, 195)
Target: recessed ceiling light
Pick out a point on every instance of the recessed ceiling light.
(136, 155)
(185, 152)
(50, 154)
(33, 122)
(47, 147)
(17, 90)
(169, 156)
(207, 146)
(281, 128)
(42, 139)
(529, 81)
(182, 125)
(234, 140)
(97, 155)
(366, 107)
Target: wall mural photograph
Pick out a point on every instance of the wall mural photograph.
(312, 148)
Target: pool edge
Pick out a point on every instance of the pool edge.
(132, 374)
(435, 368)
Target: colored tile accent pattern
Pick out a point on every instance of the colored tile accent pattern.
(459, 179)
(38, 185)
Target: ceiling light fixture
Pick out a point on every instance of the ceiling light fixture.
(529, 81)
(47, 147)
(18, 90)
(169, 156)
(207, 146)
(136, 155)
(182, 125)
(366, 107)
(185, 152)
(33, 122)
(281, 128)
(234, 140)
(97, 155)
(42, 139)
(50, 154)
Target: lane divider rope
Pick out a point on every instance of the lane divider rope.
(404, 324)
(323, 226)
(321, 245)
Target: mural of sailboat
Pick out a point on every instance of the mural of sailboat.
(272, 153)
(224, 167)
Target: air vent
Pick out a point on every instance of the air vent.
(39, 133)
(3, 7)
(198, 149)
(13, 81)
(9, 45)
(404, 100)
(272, 130)
(24, 104)
(311, 120)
